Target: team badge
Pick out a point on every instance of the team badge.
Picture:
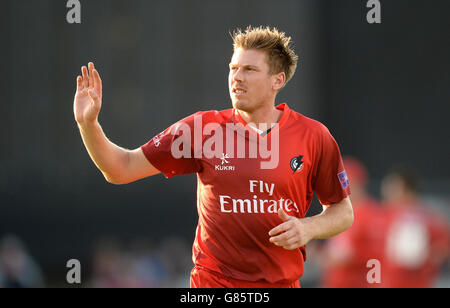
(297, 164)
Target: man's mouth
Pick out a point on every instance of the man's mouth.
(239, 91)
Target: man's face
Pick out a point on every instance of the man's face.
(250, 84)
(392, 188)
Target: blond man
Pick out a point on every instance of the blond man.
(257, 166)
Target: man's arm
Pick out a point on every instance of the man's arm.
(334, 219)
(118, 165)
(294, 233)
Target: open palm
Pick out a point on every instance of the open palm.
(88, 98)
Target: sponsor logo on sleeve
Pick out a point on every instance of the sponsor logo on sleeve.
(157, 140)
(344, 179)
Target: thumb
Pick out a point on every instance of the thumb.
(283, 216)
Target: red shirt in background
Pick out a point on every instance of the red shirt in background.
(350, 251)
(417, 244)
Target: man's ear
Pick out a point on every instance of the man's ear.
(279, 80)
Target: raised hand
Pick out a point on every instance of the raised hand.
(88, 98)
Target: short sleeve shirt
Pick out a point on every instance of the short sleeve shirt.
(244, 178)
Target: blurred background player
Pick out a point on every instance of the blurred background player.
(417, 243)
(17, 268)
(344, 257)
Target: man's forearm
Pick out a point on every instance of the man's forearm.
(335, 219)
(108, 157)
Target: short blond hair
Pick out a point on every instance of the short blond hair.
(281, 56)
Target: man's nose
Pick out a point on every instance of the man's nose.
(238, 75)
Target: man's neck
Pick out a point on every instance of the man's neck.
(268, 116)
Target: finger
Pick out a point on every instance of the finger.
(283, 239)
(283, 216)
(290, 244)
(85, 77)
(292, 247)
(91, 75)
(280, 228)
(97, 82)
(79, 83)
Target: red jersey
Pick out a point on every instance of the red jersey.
(417, 245)
(238, 199)
(364, 241)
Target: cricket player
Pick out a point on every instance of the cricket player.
(417, 236)
(257, 164)
(363, 242)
